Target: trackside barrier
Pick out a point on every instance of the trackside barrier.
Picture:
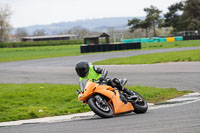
(197, 37)
(154, 39)
(109, 47)
(170, 39)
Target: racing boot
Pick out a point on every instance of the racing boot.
(123, 82)
(129, 92)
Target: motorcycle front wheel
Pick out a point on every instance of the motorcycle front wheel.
(140, 106)
(102, 109)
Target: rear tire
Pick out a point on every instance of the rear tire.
(141, 105)
(104, 111)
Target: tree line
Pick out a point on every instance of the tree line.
(181, 16)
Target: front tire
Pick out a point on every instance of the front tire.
(104, 111)
(140, 106)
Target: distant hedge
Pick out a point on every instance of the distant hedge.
(39, 43)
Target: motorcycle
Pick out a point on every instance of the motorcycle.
(105, 101)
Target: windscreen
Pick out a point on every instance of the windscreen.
(83, 84)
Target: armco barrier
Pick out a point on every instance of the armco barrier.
(109, 47)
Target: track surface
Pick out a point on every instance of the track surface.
(178, 119)
(184, 118)
(61, 70)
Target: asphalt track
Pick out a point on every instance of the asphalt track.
(61, 70)
(183, 118)
(177, 119)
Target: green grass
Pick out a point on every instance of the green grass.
(190, 55)
(25, 101)
(15, 54)
(158, 45)
(155, 95)
(28, 53)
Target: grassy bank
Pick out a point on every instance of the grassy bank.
(28, 53)
(190, 55)
(25, 101)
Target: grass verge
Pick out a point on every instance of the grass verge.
(28, 53)
(190, 55)
(25, 101)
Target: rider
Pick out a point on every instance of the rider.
(86, 71)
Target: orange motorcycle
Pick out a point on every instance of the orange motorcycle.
(105, 100)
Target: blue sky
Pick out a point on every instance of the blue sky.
(32, 12)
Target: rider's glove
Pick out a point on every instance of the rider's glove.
(101, 78)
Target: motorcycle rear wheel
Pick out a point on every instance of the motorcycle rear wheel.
(104, 111)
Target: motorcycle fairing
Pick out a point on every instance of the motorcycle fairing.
(91, 88)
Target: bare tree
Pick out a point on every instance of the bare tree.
(5, 27)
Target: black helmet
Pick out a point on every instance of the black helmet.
(82, 68)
